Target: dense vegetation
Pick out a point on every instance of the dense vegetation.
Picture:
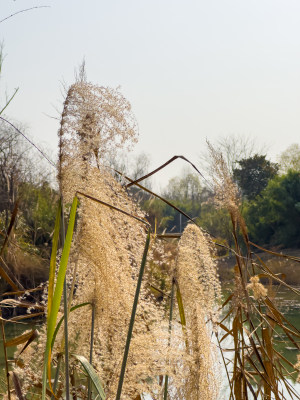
(26, 190)
(98, 268)
(270, 199)
(116, 261)
(269, 202)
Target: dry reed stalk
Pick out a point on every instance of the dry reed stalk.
(257, 367)
(111, 279)
(104, 261)
(170, 329)
(199, 286)
(5, 357)
(108, 248)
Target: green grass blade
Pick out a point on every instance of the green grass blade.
(53, 259)
(132, 318)
(62, 319)
(170, 328)
(91, 347)
(62, 269)
(181, 313)
(58, 292)
(65, 342)
(92, 374)
(53, 341)
(180, 307)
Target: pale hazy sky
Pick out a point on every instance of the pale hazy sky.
(191, 69)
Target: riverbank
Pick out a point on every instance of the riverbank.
(288, 270)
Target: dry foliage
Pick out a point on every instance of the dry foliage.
(104, 265)
(171, 353)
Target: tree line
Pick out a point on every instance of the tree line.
(270, 201)
(270, 197)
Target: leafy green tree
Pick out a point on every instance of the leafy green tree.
(253, 175)
(185, 193)
(38, 205)
(185, 188)
(274, 216)
(217, 222)
(290, 159)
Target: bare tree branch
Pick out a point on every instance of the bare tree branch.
(28, 140)
(21, 11)
(9, 100)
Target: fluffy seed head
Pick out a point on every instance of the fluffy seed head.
(199, 286)
(259, 291)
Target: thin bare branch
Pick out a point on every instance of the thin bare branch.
(21, 11)
(28, 140)
(163, 166)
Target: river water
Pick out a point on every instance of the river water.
(12, 330)
(287, 301)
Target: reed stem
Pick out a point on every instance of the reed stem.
(91, 349)
(56, 375)
(133, 312)
(5, 356)
(65, 295)
(170, 328)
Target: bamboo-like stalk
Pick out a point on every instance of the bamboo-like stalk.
(5, 356)
(181, 313)
(51, 283)
(170, 328)
(91, 349)
(58, 294)
(133, 312)
(56, 375)
(65, 297)
(60, 354)
(52, 268)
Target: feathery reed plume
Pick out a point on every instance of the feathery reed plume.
(259, 291)
(197, 279)
(226, 192)
(95, 121)
(257, 368)
(109, 245)
(106, 253)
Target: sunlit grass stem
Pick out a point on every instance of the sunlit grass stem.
(5, 356)
(91, 348)
(58, 293)
(66, 311)
(170, 328)
(133, 312)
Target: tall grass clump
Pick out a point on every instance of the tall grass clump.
(255, 369)
(108, 335)
(110, 326)
(197, 281)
